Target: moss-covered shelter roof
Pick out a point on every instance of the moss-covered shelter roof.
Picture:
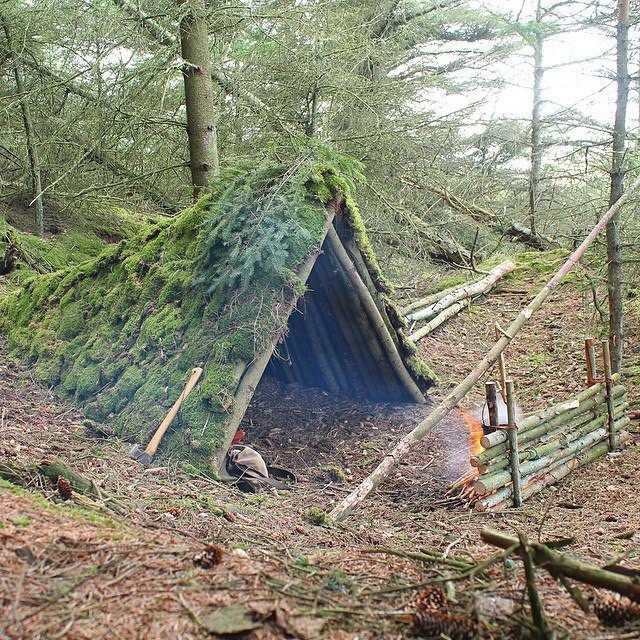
(270, 272)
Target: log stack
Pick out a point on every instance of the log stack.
(552, 443)
(439, 307)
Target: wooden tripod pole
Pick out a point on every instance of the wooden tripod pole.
(502, 367)
(512, 436)
(382, 471)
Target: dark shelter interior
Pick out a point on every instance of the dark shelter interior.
(332, 343)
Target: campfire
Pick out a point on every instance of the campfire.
(463, 487)
(475, 432)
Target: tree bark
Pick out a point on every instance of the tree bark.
(536, 122)
(395, 456)
(198, 91)
(614, 249)
(32, 146)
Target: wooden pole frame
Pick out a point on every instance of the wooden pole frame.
(606, 357)
(397, 454)
(502, 367)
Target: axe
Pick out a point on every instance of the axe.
(146, 456)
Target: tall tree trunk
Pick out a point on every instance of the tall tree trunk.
(198, 90)
(614, 250)
(536, 122)
(32, 147)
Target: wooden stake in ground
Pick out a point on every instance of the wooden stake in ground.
(382, 471)
(502, 367)
(514, 454)
(590, 355)
(492, 404)
(611, 421)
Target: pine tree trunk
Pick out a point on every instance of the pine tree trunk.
(536, 124)
(198, 90)
(614, 250)
(27, 120)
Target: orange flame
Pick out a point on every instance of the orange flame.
(475, 432)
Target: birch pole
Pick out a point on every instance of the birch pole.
(388, 464)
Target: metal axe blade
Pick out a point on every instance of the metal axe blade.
(141, 456)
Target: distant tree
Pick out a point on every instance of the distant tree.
(614, 250)
(31, 142)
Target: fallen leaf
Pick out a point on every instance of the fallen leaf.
(494, 606)
(235, 618)
(263, 608)
(303, 627)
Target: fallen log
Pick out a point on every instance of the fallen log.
(404, 446)
(535, 483)
(566, 565)
(434, 323)
(523, 234)
(462, 293)
(428, 300)
(484, 216)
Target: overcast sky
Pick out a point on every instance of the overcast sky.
(587, 85)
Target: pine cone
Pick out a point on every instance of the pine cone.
(210, 557)
(616, 613)
(432, 599)
(64, 488)
(434, 624)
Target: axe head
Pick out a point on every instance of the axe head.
(140, 456)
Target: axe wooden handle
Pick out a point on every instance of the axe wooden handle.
(152, 447)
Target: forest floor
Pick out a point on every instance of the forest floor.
(159, 553)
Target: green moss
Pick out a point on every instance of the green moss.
(71, 322)
(316, 516)
(88, 381)
(22, 522)
(452, 281)
(422, 370)
(48, 370)
(536, 265)
(161, 329)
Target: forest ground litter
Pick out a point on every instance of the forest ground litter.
(80, 571)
